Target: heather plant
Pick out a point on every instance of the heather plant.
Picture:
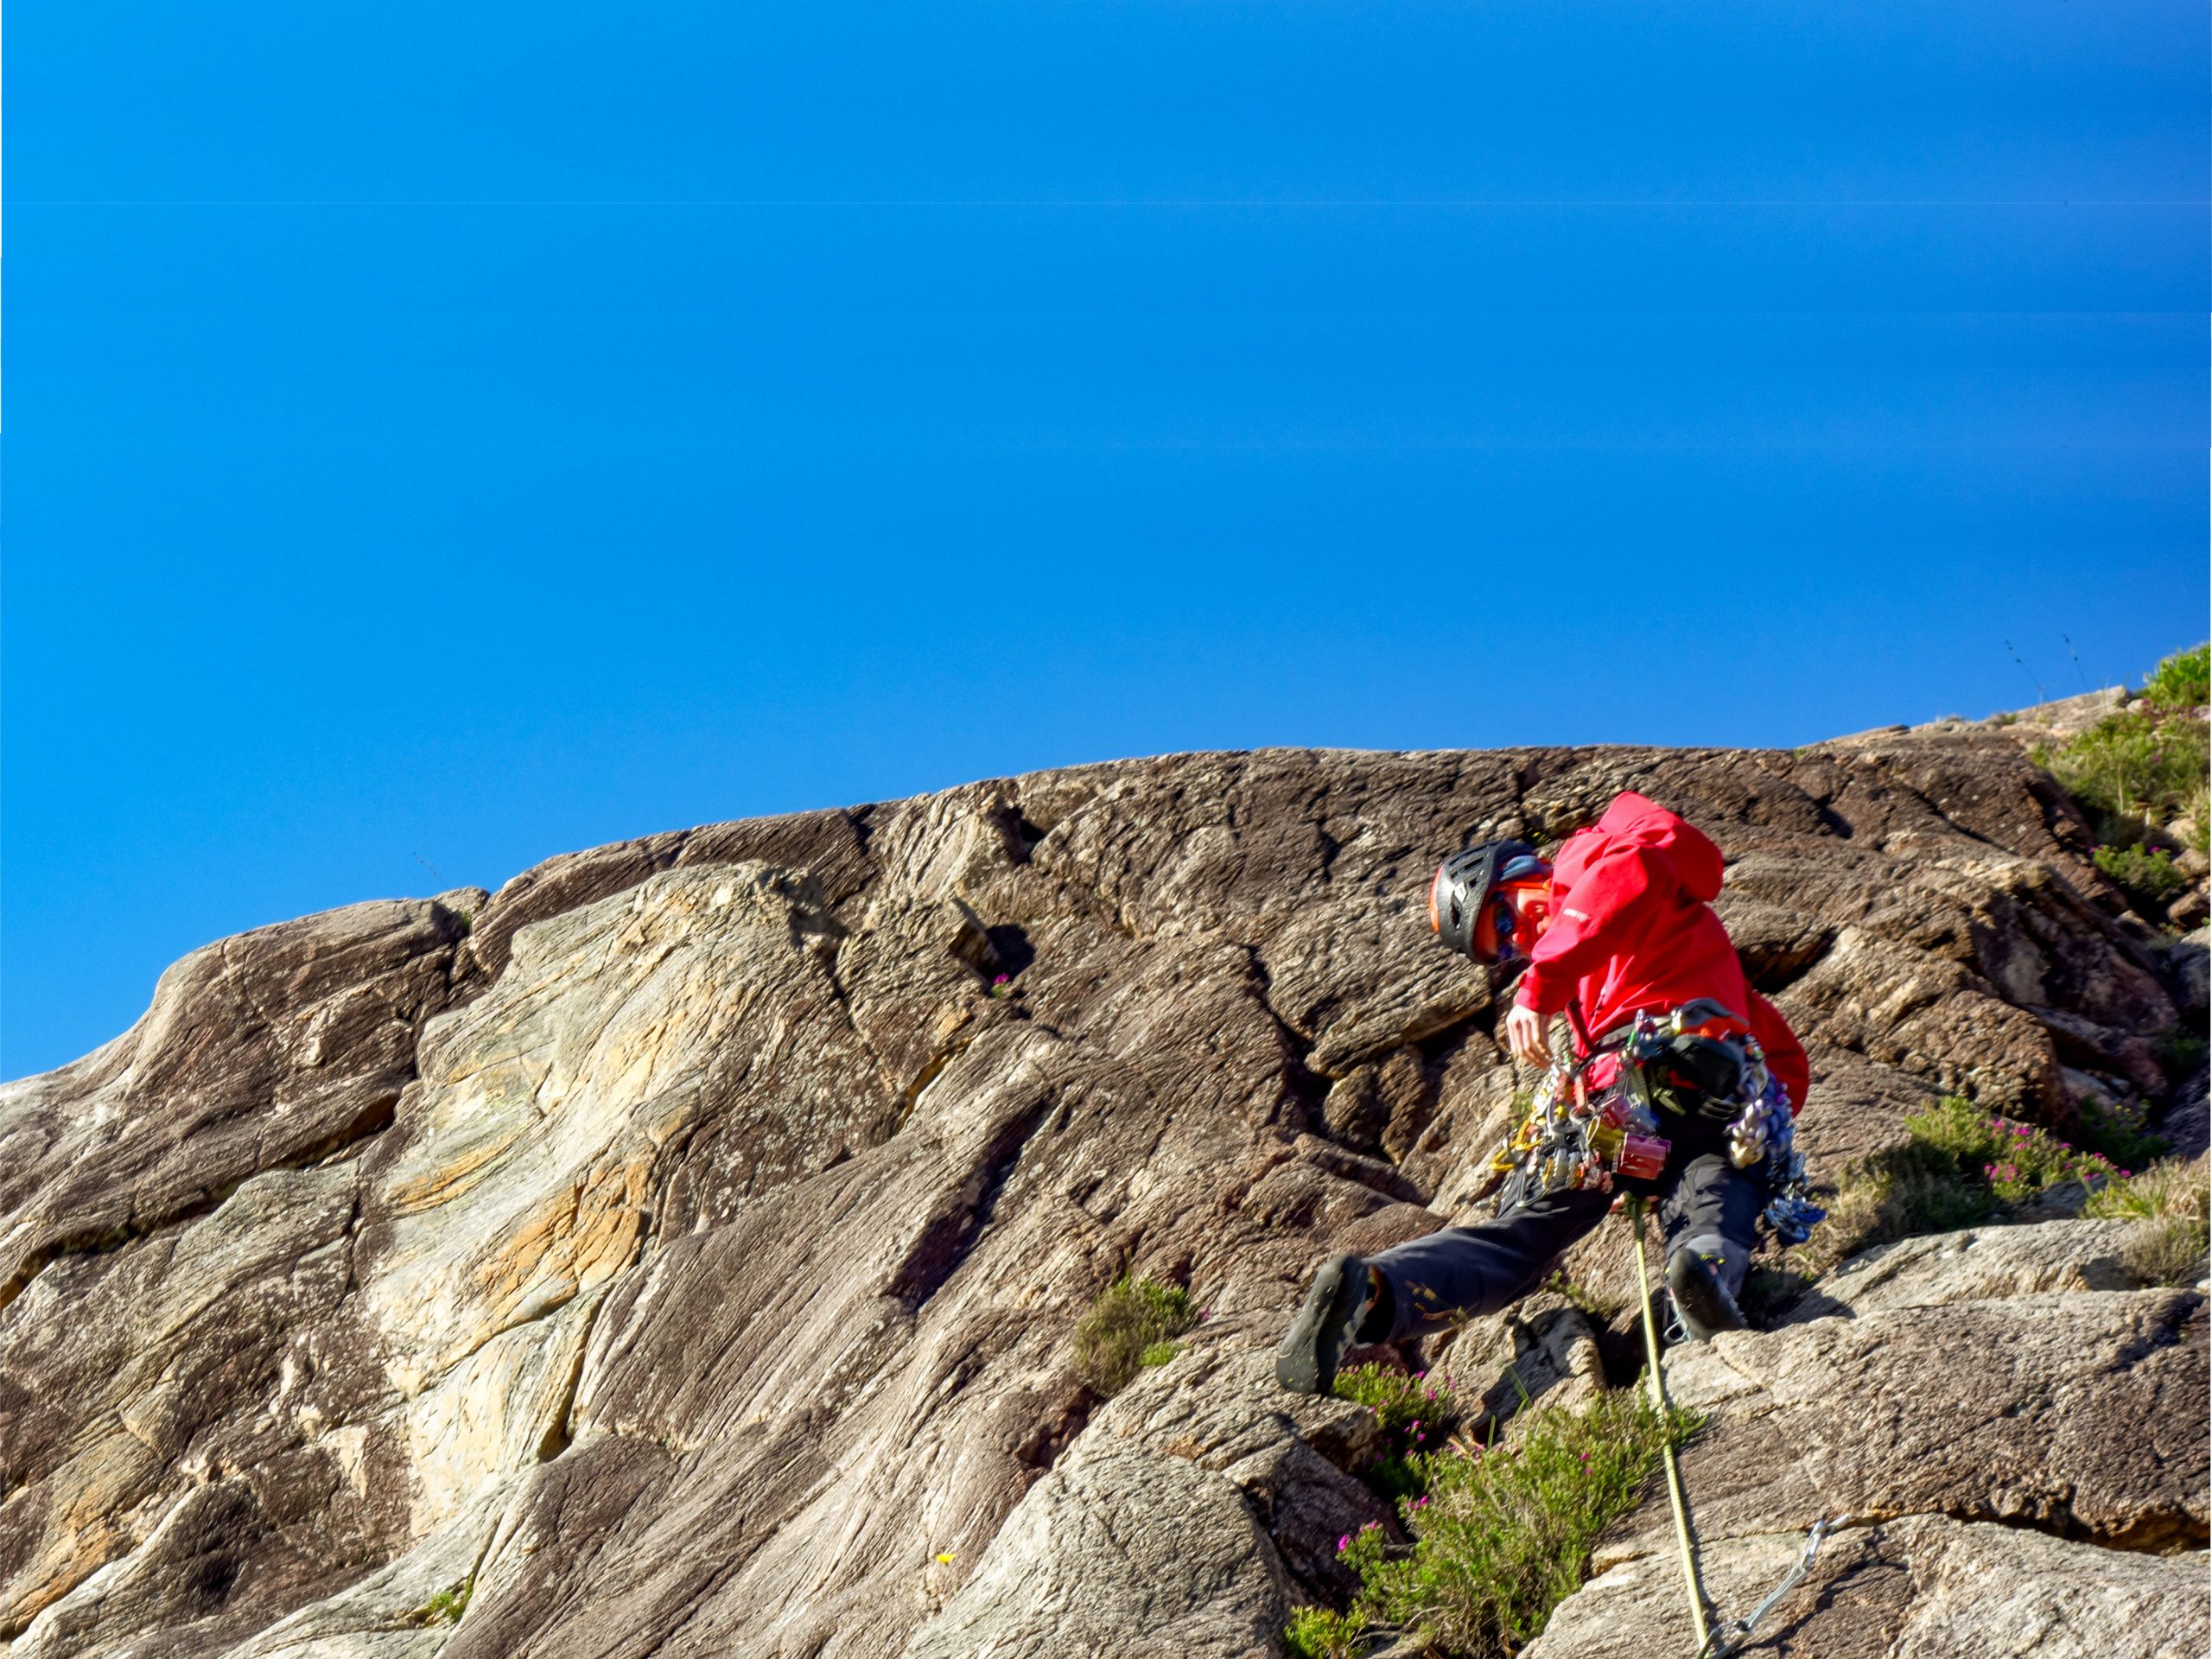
(1415, 1416)
(1502, 1535)
(2119, 1130)
(1402, 1405)
(2019, 1161)
(1961, 1167)
(1133, 1325)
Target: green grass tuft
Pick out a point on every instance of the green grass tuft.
(2174, 1206)
(448, 1605)
(1899, 1194)
(1129, 1323)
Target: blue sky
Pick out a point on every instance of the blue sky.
(440, 441)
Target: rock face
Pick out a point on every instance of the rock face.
(2011, 1473)
(677, 1251)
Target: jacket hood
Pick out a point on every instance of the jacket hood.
(1641, 822)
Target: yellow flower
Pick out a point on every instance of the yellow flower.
(946, 1558)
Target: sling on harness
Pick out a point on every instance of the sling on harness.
(1712, 1643)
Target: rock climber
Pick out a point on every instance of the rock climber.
(1676, 1081)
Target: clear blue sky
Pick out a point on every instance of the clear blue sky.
(446, 435)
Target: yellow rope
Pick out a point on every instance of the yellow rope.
(1667, 1445)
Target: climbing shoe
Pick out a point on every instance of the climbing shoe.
(1326, 1328)
(1701, 1301)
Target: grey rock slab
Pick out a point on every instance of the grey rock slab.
(273, 1048)
(1974, 1265)
(1123, 1548)
(192, 1420)
(1921, 1587)
(1542, 1352)
(1930, 1018)
(2075, 1412)
(1152, 1535)
(696, 1010)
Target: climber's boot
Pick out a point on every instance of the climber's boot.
(1701, 1299)
(1327, 1327)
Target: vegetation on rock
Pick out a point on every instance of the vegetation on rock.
(2183, 680)
(2146, 874)
(448, 1605)
(1417, 1416)
(2141, 771)
(2180, 1053)
(2174, 1205)
(1133, 1325)
(1962, 1167)
(1502, 1533)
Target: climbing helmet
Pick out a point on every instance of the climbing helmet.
(1465, 883)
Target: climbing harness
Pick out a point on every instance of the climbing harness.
(1596, 1119)
(1712, 1643)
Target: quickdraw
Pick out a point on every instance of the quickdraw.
(1721, 1644)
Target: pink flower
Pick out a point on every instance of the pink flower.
(1343, 1543)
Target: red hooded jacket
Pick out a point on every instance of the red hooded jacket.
(1633, 929)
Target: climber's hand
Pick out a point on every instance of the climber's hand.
(1528, 1036)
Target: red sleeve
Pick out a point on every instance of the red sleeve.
(1584, 932)
(1785, 1055)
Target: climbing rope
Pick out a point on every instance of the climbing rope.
(1667, 1436)
(1711, 1644)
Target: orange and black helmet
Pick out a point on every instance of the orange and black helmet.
(1466, 879)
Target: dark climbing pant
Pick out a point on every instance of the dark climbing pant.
(1705, 1203)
